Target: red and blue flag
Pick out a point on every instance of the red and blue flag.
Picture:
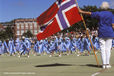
(61, 15)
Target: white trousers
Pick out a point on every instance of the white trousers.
(105, 46)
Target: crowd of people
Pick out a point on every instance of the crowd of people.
(68, 43)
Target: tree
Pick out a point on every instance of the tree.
(28, 34)
(9, 32)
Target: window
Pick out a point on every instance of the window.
(22, 26)
(26, 25)
(35, 25)
(31, 31)
(22, 31)
(35, 32)
(18, 32)
(17, 26)
(31, 27)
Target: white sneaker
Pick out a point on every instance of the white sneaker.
(104, 66)
(50, 56)
(68, 54)
(78, 55)
(28, 56)
(19, 56)
(34, 54)
(108, 66)
(59, 55)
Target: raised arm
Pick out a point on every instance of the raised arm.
(84, 12)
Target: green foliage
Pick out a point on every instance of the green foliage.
(6, 34)
(9, 32)
(28, 34)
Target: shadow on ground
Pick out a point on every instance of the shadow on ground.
(92, 65)
(54, 65)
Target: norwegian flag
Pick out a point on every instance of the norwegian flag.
(65, 15)
(48, 14)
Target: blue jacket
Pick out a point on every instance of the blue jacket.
(105, 19)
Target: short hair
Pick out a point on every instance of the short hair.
(105, 5)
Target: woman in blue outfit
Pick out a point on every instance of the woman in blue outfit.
(113, 43)
(5, 47)
(95, 41)
(41, 45)
(45, 47)
(67, 43)
(87, 45)
(81, 44)
(36, 48)
(12, 49)
(105, 31)
(17, 45)
(1, 48)
(58, 44)
(73, 44)
(24, 47)
(62, 45)
(52, 46)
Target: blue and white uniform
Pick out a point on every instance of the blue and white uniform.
(41, 45)
(113, 43)
(1, 47)
(36, 47)
(67, 43)
(87, 45)
(73, 45)
(45, 47)
(24, 48)
(62, 46)
(5, 47)
(17, 44)
(52, 46)
(11, 46)
(81, 44)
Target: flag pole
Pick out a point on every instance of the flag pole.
(88, 34)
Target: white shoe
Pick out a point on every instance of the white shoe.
(59, 55)
(19, 56)
(78, 55)
(34, 54)
(104, 66)
(28, 56)
(14, 55)
(50, 56)
(68, 54)
(108, 66)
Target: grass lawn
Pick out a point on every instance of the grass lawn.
(71, 65)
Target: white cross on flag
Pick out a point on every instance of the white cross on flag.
(61, 15)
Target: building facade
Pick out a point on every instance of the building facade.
(23, 25)
(1, 27)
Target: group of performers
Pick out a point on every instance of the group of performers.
(60, 43)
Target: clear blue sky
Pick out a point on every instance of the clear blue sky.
(12, 9)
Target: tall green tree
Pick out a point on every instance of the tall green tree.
(28, 34)
(9, 32)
